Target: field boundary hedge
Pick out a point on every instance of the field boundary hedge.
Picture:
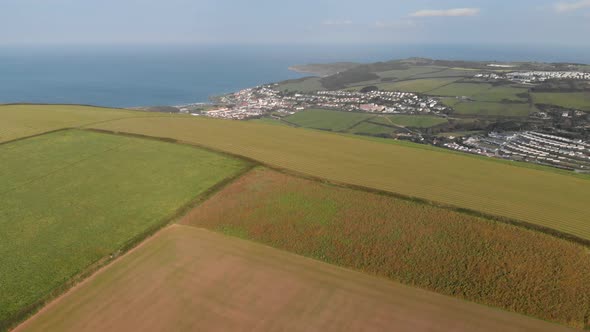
(505, 220)
(35, 135)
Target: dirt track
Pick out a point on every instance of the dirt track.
(188, 279)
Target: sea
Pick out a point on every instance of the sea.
(151, 75)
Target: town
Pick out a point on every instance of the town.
(267, 100)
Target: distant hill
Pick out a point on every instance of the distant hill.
(341, 75)
(324, 69)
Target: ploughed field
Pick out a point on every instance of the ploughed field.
(536, 195)
(70, 199)
(438, 249)
(189, 279)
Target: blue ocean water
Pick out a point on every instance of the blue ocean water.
(172, 75)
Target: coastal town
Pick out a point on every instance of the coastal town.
(267, 100)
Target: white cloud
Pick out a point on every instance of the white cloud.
(562, 7)
(337, 22)
(446, 12)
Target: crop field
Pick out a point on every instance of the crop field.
(492, 109)
(327, 120)
(369, 128)
(189, 279)
(538, 195)
(444, 251)
(70, 199)
(27, 120)
(575, 100)
(414, 121)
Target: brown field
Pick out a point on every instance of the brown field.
(188, 279)
(433, 248)
(539, 196)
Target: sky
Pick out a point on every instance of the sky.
(539, 22)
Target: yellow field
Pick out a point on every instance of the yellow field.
(25, 120)
(545, 198)
(188, 279)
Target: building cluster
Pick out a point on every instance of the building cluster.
(529, 146)
(249, 103)
(535, 76)
(394, 102)
(263, 100)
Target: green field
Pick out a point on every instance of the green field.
(413, 121)
(482, 92)
(449, 72)
(418, 85)
(461, 89)
(327, 120)
(575, 100)
(502, 93)
(25, 120)
(492, 109)
(445, 251)
(407, 73)
(537, 195)
(367, 128)
(71, 198)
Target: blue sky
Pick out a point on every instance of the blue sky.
(565, 22)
